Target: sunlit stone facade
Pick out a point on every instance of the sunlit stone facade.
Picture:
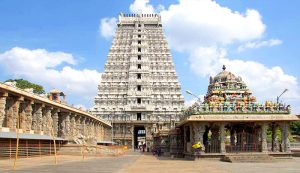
(139, 86)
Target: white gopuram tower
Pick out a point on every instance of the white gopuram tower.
(139, 91)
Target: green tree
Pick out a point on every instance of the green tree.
(295, 128)
(23, 84)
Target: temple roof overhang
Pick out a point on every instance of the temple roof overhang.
(239, 118)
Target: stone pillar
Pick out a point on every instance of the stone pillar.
(55, 121)
(37, 118)
(285, 137)
(62, 125)
(73, 126)
(83, 127)
(22, 116)
(232, 136)
(10, 115)
(2, 110)
(28, 114)
(102, 133)
(86, 128)
(222, 138)
(197, 132)
(68, 126)
(264, 145)
(47, 120)
(78, 126)
(273, 137)
(93, 134)
(90, 131)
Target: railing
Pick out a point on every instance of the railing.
(28, 148)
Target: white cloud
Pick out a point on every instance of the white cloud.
(259, 44)
(41, 66)
(205, 23)
(204, 60)
(141, 6)
(108, 27)
(193, 100)
(266, 83)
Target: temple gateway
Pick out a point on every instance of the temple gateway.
(231, 121)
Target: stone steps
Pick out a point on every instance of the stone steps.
(248, 158)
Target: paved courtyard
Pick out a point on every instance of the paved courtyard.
(137, 163)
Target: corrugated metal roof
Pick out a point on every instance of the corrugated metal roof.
(13, 135)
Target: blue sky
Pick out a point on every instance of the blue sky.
(61, 44)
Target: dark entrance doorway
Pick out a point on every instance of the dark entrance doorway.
(139, 136)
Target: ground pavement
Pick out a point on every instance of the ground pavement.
(135, 162)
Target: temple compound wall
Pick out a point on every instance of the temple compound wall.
(40, 117)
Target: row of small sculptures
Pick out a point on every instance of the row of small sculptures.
(237, 107)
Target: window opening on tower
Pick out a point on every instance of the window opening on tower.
(139, 87)
(139, 100)
(139, 76)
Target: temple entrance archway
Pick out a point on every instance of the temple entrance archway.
(139, 136)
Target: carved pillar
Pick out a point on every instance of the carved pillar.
(264, 145)
(78, 126)
(93, 130)
(222, 138)
(73, 126)
(37, 118)
(10, 115)
(83, 125)
(47, 120)
(285, 137)
(22, 116)
(102, 133)
(62, 125)
(273, 137)
(55, 121)
(68, 126)
(89, 125)
(28, 115)
(198, 130)
(2, 110)
(98, 131)
(232, 136)
(86, 128)
(184, 139)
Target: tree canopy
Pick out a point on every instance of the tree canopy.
(295, 128)
(23, 84)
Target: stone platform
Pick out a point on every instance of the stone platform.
(248, 158)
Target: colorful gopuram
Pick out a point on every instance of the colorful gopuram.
(230, 120)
